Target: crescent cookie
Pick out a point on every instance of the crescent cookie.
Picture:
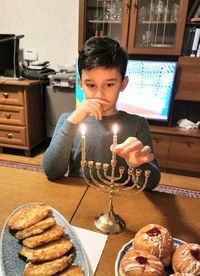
(48, 268)
(28, 216)
(52, 234)
(73, 270)
(47, 252)
(36, 229)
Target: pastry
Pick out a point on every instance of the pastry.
(28, 216)
(182, 274)
(186, 258)
(51, 234)
(35, 229)
(48, 268)
(47, 252)
(72, 270)
(156, 240)
(135, 263)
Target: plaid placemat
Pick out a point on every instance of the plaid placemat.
(160, 188)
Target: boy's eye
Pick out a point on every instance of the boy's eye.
(90, 85)
(110, 84)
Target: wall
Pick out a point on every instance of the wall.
(49, 26)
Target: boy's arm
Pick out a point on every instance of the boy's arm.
(154, 179)
(56, 158)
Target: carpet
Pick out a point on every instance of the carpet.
(169, 189)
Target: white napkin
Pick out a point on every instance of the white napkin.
(93, 243)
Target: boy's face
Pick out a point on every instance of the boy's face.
(104, 84)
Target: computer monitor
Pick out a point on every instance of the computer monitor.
(9, 54)
(149, 92)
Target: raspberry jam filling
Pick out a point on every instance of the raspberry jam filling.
(153, 232)
(141, 260)
(195, 253)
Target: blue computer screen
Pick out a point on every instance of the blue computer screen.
(150, 88)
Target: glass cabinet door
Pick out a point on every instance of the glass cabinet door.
(104, 18)
(157, 24)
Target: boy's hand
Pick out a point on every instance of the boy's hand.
(88, 107)
(134, 152)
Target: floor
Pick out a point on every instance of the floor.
(37, 155)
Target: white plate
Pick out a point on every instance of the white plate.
(12, 265)
(128, 245)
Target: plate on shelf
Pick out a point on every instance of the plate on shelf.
(12, 265)
(128, 245)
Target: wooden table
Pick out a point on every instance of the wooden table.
(19, 187)
(179, 214)
(80, 204)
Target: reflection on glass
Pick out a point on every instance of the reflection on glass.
(104, 18)
(156, 23)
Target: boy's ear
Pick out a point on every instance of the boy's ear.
(124, 83)
(80, 82)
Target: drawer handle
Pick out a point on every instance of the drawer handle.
(6, 95)
(8, 116)
(157, 140)
(10, 135)
(188, 143)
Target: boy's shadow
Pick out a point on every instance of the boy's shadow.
(181, 213)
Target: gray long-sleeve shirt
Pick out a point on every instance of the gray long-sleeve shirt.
(64, 152)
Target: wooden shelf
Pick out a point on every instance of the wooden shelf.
(158, 22)
(196, 20)
(105, 21)
(176, 131)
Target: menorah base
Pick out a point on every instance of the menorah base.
(109, 223)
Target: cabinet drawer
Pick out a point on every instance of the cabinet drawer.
(12, 115)
(161, 148)
(12, 135)
(11, 95)
(184, 154)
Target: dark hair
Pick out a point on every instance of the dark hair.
(102, 52)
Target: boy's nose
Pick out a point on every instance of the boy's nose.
(99, 93)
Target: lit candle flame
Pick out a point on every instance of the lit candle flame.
(83, 130)
(115, 129)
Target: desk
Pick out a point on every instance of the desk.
(21, 114)
(80, 204)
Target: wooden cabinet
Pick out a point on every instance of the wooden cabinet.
(147, 28)
(142, 26)
(177, 149)
(104, 18)
(159, 27)
(161, 148)
(184, 153)
(21, 114)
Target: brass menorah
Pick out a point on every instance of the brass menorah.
(109, 222)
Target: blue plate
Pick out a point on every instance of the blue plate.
(12, 265)
(128, 245)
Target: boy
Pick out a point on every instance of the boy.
(102, 66)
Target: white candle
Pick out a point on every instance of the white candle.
(83, 143)
(115, 129)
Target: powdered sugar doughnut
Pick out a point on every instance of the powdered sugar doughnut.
(135, 263)
(186, 258)
(182, 274)
(156, 240)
